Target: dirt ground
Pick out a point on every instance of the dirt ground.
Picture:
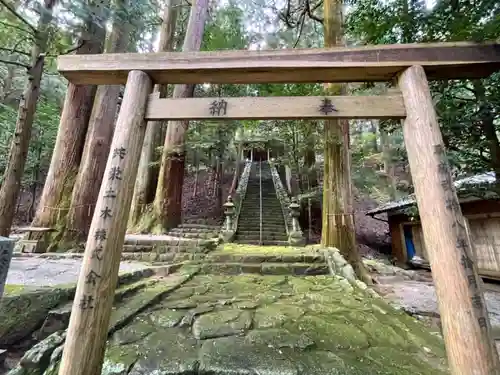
(417, 296)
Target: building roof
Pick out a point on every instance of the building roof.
(463, 186)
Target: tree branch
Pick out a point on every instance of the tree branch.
(21, 18)
(15, 63)
(17, 28)
(72, 49)
(301, 28)
(470, 154)
(13, 50)
(310, 12)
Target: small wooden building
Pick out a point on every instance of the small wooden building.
(481, 210)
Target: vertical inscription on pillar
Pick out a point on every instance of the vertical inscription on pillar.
(93, 276)
(452, 204)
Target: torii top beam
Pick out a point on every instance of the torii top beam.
(355, 64)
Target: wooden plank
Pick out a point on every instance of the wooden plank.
(89, 322)
(353, 64)
(284, 107)
(466, 327)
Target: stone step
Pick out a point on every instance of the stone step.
(264, 199)
(266, 213)
(265, 228)
(169, 257)
(269, 217)
(264, 243)
(267, 224)
(268, 238)
(194, 235)
(296, 269)
(176, 245)
(195, 230)
(199, 226)
(299, 257)
(256, 204)
(256, 231)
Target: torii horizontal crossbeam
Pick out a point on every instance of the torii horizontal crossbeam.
(356, 64)
(277, 107)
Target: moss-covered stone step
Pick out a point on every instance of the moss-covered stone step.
(200, 236)
(263, 258)
(43, 358)
(199, 226)
(194, 230)
(163, 240)
(251, 324)
(27, 311)
(244, 225)
(170, 257)
(172, 245)
(160, 249)
(272, 238)
(296, 269)
(267, 235)
(264, 243)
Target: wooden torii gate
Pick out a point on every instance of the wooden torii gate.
(465, 323)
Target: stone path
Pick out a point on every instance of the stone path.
(253, 324)
(35, 271)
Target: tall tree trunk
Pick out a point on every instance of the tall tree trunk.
(373, 131)
(237, 169)
(8, 81)
(487, 119)
(98, 141)
(147, 176)
(19, 148)
(73, 124)
(310, 156)
(196, 173)
(338, 228)
(388, 162)
(168, 199)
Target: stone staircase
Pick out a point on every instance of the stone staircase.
(180, 243)
(195, 230)
(273, 224)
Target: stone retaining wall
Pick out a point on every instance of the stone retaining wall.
(241, 191)
(283, 197)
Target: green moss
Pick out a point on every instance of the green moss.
(21, 313)
(255, 249)
(274, 324)
(11, 289)
(119, 359)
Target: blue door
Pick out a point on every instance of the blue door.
(410, 248)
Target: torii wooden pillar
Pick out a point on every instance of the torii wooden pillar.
(469, 346)
(88, 326)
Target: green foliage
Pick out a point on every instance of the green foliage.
(464, 107)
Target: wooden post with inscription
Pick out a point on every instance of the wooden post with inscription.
(88, 326)
(466, 327)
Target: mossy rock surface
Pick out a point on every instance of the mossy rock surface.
(24, 310)
(254, 324)
(251, 324)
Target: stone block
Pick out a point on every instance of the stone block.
(6, 250)
(3, 357)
